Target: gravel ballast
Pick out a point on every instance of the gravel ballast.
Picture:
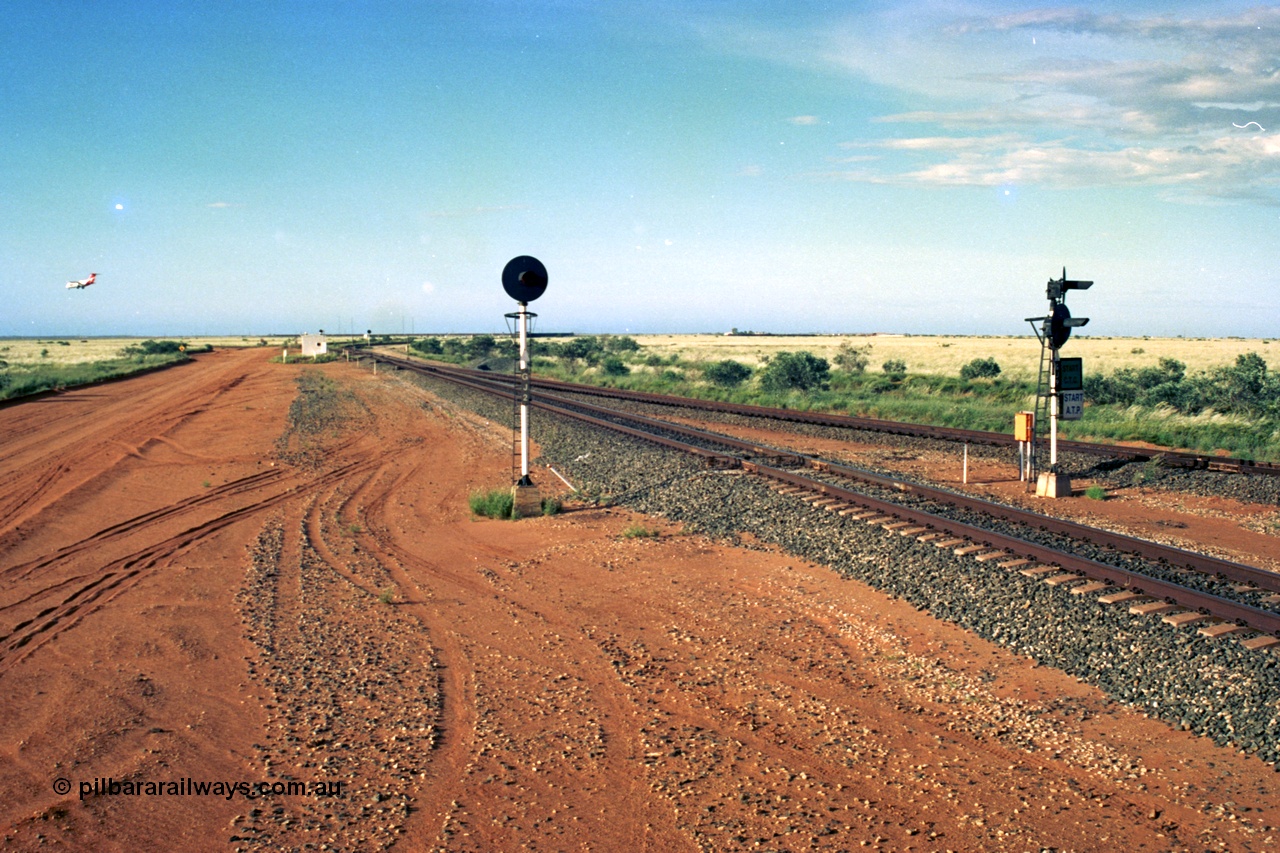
(1215, 688)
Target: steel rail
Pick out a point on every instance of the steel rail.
(1258, 618)
(502, 390)
(1170, 458)
(1177, 557)
(1192, 599)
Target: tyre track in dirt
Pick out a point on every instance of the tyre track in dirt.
(100, 587)
(551, 684)
(452, 753)
(135, 524)
(33, 479)
(353, 683)
(33, 476)
(55, 591)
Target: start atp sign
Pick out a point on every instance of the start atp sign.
(1071, 405)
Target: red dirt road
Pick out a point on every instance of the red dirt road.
(191, 594)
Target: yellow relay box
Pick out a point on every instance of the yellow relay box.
(1024, 426)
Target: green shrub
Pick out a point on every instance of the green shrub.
(979, 368)
(495, 503)
(614, 366)
(428, 346)
(795, 371)
(621, 343)
(639, 531)
(1244, 388)
(586, 348)
(480, 346)
(150, 347)
(1095, 493)
(895, 368)
(551, 506)
(727, 373)
(852, 359)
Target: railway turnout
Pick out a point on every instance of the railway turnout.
(1182, 586)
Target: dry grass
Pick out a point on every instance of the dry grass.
(19, 351)
(1017, 356)
(26, 351)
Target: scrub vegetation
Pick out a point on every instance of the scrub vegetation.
(1135, 393)
(32, 367)
(494, 503)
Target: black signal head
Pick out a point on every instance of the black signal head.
(524, 278)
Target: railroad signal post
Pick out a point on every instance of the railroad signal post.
(524, 279)
(1061, 387)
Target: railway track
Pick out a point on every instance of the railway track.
(1183, 587)
(1167, 458)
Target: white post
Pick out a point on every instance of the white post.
(966, 463)
(524, 397)
(1053, 413)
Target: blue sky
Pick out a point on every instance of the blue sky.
(258, 167)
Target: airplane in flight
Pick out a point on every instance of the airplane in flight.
(82, 283)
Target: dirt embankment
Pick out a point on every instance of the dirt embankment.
(199, 587)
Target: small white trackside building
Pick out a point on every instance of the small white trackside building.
(314, 345)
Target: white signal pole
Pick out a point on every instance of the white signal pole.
(523, 316)
(524, 279)
(1053, 412)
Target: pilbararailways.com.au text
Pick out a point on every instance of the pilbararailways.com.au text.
(189, 787)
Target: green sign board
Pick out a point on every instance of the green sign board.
(1070, 374)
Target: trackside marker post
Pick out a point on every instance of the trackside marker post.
(524, 278)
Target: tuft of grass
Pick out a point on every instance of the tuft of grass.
(495, 503)
(551, 506)
(639, 531)
(1095, 493)
(387, 595)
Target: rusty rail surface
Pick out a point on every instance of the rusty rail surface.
(1170, 458)
(1234, 611)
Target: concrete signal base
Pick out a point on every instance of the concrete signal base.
(526, 501)
(1053, 486)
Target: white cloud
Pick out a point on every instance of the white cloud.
(1244, 166)
(428, 288)
(1243, 26)
(1119, 99)
(1063, 97)
(935, 143)
(805, 120)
